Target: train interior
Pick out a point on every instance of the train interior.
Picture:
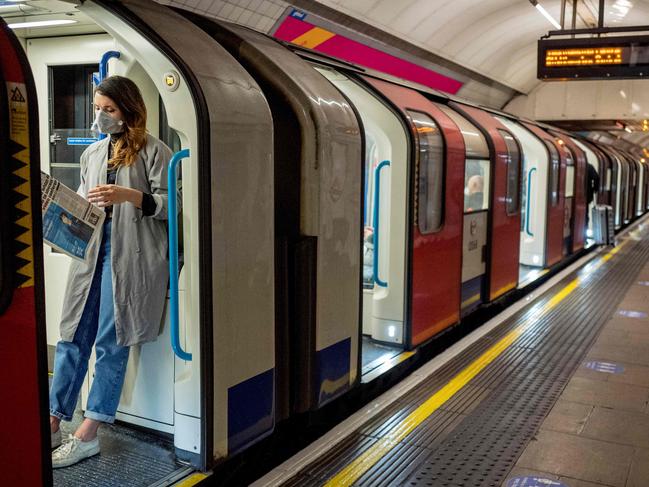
(160, 392)
(384, 231)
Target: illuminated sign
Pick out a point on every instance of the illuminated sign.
(594, 58)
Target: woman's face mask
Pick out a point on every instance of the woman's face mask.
(105, 124)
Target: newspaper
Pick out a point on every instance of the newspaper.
(70, 222)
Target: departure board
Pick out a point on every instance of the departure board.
(594, 58)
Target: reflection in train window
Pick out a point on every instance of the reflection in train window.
(513, 172)
(476, 185)
(430, 169)
(554, 172)
(570, 175)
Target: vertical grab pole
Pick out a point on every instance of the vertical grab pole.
(173, 254)
(103, 71)
(377, 202)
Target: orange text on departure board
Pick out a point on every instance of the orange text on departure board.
(583, 56)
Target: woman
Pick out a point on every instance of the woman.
(116, 298)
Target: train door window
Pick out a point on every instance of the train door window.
(476, 185)
(570, 175)
(477, 165)
(71, 115)
(513, 172)
(554, 172)
(430, 172)
(609, 178)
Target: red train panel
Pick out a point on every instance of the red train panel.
(436, 263)
(25, 452)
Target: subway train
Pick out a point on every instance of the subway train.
(334, 220)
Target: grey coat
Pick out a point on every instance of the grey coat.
(140, 269)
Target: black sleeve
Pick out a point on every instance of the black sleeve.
(148, 204)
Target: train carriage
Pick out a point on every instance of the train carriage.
(335, 221)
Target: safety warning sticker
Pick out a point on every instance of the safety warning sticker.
(19, 136)
(18, 118)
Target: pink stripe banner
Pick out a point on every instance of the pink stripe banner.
(355, 52)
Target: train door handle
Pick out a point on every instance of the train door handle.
(377, 202)
(173, 254)
(54, 138)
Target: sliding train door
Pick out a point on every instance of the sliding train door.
(505, 217)
(434, 223)
(385, 193)
(477, 208)
(25, 449)
(194, 384)
(593, 161)
(317, 220)
(534, 208)
(224, 369)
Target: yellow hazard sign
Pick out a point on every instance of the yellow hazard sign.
(19, 134)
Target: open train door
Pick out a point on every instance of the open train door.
(25, 451)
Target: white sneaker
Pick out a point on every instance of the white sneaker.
(55, 439)
(74, 450)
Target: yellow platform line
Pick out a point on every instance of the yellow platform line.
(193, 479)
(378, 450)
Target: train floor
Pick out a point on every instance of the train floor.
(376, 355)
(552, 392)
(128, 457)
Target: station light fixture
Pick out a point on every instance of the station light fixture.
(545, 14)
(40, 23)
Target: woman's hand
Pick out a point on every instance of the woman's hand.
(111, 194)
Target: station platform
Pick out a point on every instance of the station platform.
(552, 392)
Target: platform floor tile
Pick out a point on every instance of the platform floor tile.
(578, 457)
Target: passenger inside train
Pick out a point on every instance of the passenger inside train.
(474, 195)
(104, 307)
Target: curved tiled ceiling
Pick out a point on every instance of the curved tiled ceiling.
(496, 38)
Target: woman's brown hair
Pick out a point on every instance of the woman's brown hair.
(128, 99)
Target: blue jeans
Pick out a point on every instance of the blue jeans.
(97, 325)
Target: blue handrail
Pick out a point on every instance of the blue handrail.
(103, 71)
(527, 210)
(103, 66)
(173, 254)
(377, 194)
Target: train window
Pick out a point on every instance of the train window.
(513, 173)
(430, 173)
(475, 143)
(570, 179)
(608, 179)
(569, 189)
(476, 185)
(554, 172)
